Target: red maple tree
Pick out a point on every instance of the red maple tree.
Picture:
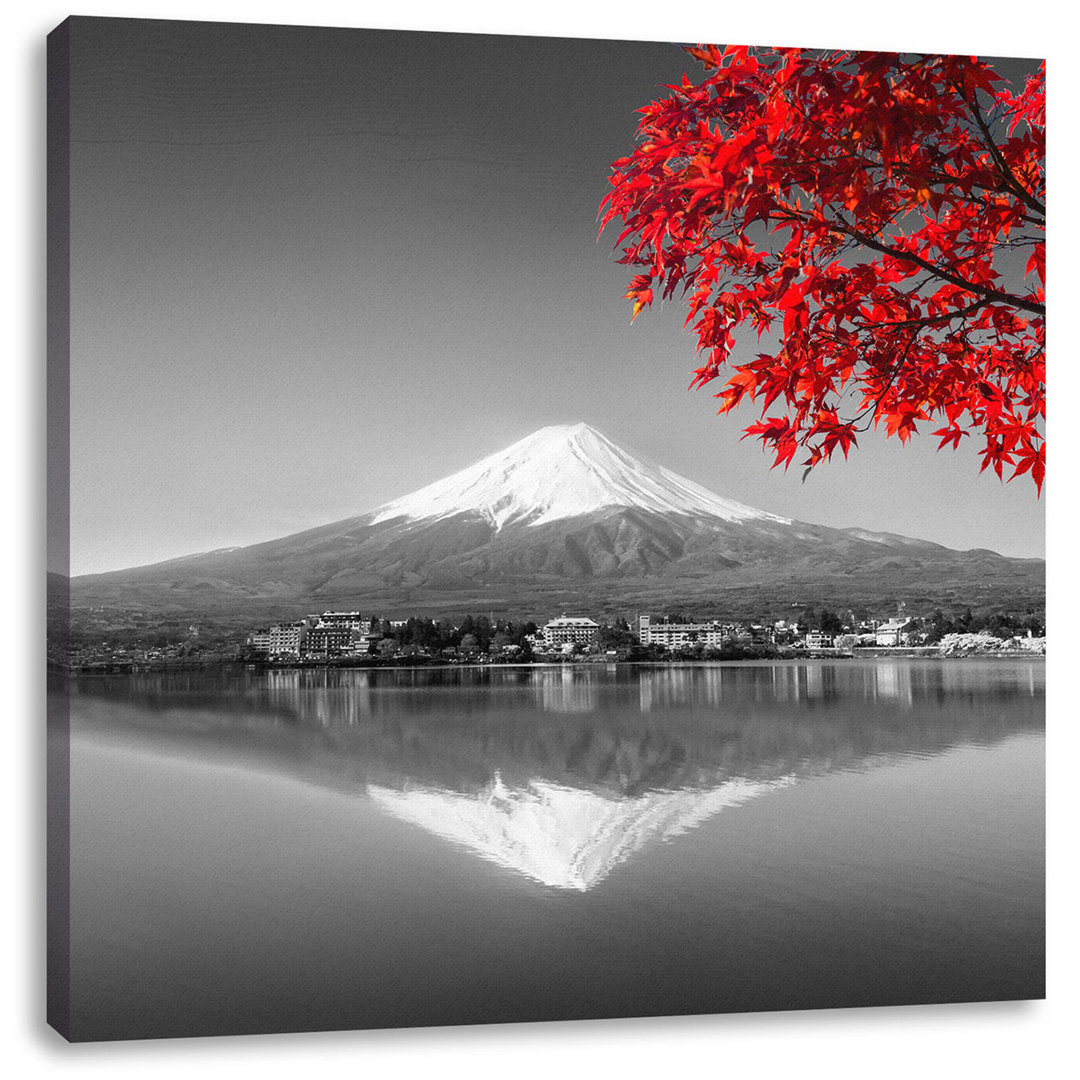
(885, 213)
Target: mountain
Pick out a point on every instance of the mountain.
(565, 518)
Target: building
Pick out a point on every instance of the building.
(681, 635)
(349, 620)
(332, 640)
(893, 632)
(818, 639)
(570, 631)
(333, 633)
(259, 641)
(287, 639)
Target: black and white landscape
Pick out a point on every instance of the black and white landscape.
(565, 517)
(323, 755)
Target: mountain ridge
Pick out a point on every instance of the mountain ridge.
(563, 513)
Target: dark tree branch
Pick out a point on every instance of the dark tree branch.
(929, 320)
(887, 387)
(909, 256)
(1007, 174)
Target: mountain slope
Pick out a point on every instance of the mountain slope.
(563, 517)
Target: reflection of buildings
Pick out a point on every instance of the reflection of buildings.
(678, 686)
(282, 683)
(786, 683)
(567, 838)
(319, 697)
(733, 687)
(565, 690)
(892, 682)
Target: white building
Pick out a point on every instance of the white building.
(679, 635)
(346, 620)
(570, 631)
(287, 639)
(893, 632)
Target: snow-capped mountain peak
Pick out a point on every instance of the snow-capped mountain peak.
(559, 472)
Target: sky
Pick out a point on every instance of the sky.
(313, 270)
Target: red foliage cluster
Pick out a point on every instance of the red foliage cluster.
(887, 214)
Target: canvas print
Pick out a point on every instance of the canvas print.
(540, 528)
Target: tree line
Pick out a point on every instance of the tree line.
(472, 634)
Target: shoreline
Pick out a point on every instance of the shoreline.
(817, 656)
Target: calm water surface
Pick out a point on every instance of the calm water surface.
(296, 850)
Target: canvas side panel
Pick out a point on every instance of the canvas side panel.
(58, 808)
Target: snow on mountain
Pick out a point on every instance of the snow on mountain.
(561, 472)
(567, 838)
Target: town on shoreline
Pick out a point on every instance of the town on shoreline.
(351, 639)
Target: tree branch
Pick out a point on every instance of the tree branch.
(888, 386)
(929, 320)
(1007, 174)
(909, 256)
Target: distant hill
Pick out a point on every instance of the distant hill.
(566, 519)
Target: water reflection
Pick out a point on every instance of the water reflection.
(563, 773)
(568, 838)
(567, 689)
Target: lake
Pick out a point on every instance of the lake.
(287, 850)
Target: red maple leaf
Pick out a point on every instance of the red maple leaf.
(861, 204)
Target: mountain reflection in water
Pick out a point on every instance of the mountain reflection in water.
(563, 773)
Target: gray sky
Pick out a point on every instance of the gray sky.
(313, 270)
